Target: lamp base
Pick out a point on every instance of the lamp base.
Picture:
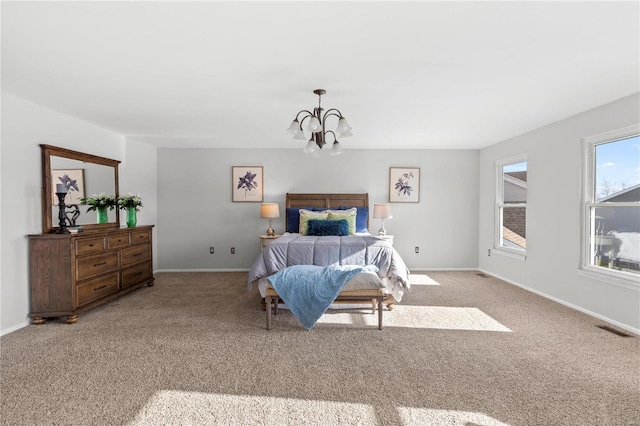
(270, 231)
(382, 232)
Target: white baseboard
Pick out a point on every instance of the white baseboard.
(14, 328)
(565, 303)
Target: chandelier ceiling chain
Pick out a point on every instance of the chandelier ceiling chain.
(315, 124)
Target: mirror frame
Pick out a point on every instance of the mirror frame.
(47, 207)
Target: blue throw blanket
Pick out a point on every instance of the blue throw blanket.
(309, 290)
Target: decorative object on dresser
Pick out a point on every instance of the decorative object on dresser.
(130, 203)
(61, 193)
(404, 185)
(316, 126)
(382, 211)
(94, 263)
(247, 183)
(100, 203)
(270, 211)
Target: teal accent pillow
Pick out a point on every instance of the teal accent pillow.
(327, 227)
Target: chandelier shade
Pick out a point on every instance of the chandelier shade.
(315, 124)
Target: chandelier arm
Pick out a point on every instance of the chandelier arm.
(335, 138)
(330, 112)
(309, 115)
(300, 112)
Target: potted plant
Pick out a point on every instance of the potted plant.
(131, 204)
(100, 203)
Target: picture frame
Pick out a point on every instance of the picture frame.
(404, 184)
(247, 184)
(73, 179)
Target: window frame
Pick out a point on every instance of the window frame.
(589, 143)
(513, 252)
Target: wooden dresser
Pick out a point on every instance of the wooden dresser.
(71, 273)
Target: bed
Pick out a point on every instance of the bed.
(361, 248)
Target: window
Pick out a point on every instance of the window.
(611, 240)
(511, 205)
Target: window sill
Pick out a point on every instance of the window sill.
(610, 277)
(513, 254)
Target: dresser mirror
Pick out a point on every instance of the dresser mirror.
(84, 174)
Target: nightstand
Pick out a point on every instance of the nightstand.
(387, 238)
(265, 240)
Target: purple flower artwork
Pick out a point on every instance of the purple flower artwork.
(247, 184)
(404, 185)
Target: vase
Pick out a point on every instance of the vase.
(132, 218)
(102, 213)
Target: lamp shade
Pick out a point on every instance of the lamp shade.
(382, 211)
(336, 149)
(269, 210)
(314, 125)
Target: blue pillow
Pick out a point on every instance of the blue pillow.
(327, 227)
(293, 218)
(361, 218)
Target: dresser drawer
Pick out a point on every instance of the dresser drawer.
(118, 240)
(87, 267)
(141, 236)
(90, 245)
(136, 274)
(97, 289)
(136, 254)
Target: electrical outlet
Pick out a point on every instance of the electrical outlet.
(489, 252)
(211, 250)
(233, 250)
(417, 249)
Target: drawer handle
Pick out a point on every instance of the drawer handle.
(98, 264)
(137, 254)
(135, 275)
(99, 288)
(91, 245)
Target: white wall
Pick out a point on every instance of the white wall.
(138, 175)
(554, 159)
(196, 211)
(25, 125)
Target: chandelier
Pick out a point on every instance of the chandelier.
(315, 124)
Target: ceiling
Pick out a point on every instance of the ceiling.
(459, 75)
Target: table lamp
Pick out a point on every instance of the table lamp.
(382, 211)
(270, 211)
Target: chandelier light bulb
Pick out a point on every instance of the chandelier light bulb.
(310, 148)
(336, 149)
(343, 125)
(314, 125)
(294, 127)
(300, 135)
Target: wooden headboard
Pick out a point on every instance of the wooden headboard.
(326, 201)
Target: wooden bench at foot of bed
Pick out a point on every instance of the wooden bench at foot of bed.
(374, 296)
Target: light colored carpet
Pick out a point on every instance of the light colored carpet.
(193, 350)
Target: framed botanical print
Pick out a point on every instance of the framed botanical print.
(247, 184)
(73, 179)
(404, 185)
